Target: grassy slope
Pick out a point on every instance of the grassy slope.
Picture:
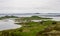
(30, 30)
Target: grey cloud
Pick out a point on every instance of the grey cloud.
(51, 5)
(45, 6)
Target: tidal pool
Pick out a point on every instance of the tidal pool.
(55, 18)
(7, 24)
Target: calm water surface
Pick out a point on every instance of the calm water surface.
(55, 18)
(8, 24)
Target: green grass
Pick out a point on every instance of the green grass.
(33, 18)
(5, 17)
(30, 30)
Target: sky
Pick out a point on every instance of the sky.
(29, 6)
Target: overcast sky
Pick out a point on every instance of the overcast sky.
(29, 6)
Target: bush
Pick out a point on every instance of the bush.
(54, 22)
